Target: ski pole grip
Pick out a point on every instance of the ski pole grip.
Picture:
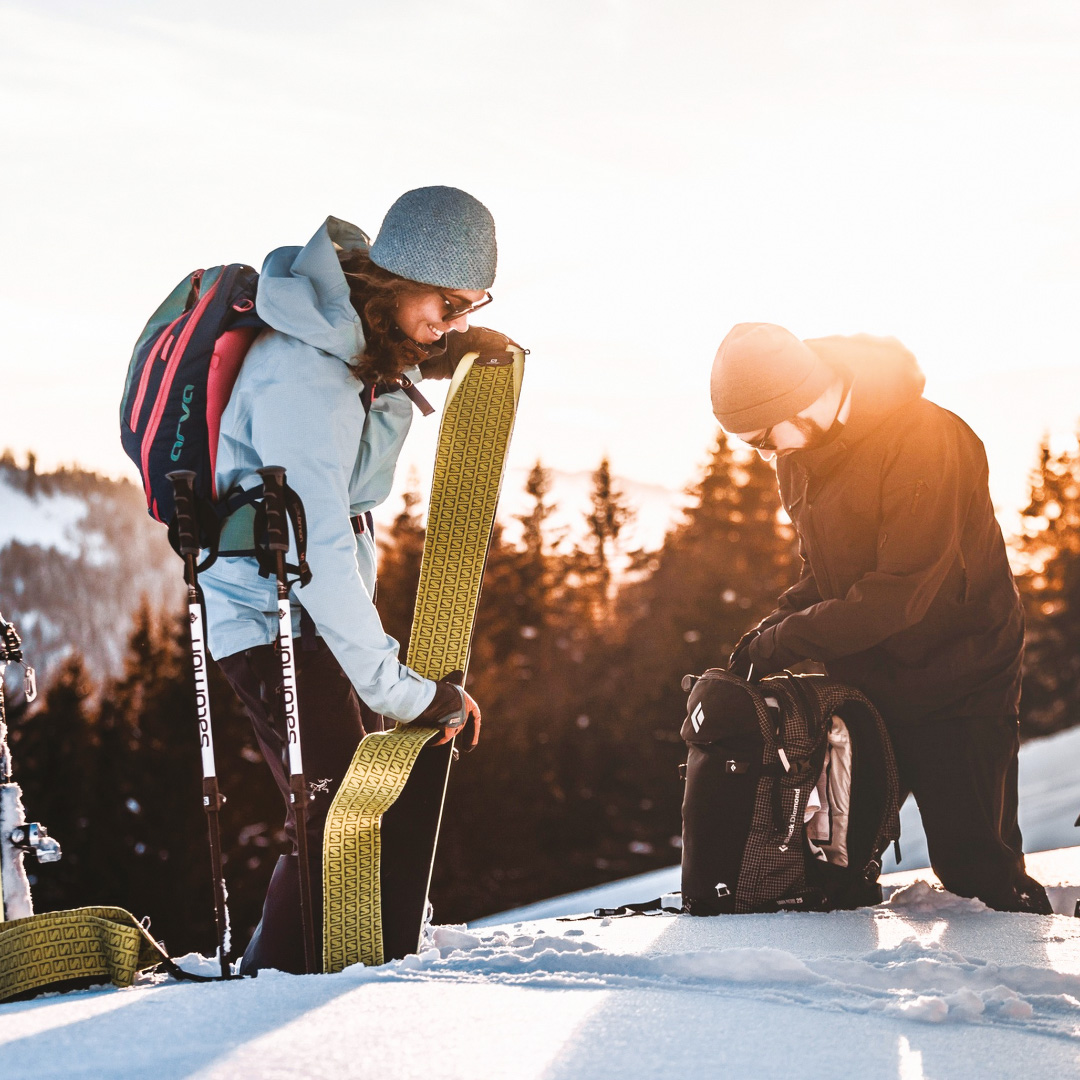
(187, 527)
(277, 523)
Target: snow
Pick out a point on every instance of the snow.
(922, 987)
(926, 985)
(49, 521)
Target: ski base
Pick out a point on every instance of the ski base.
(382, 829)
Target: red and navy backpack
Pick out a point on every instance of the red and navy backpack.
(180, 377)
(179, 381)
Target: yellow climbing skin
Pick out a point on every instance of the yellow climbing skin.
(100, 943)
(474, 438)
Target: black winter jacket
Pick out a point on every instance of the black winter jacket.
(906, 590)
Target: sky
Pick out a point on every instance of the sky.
(656, 175)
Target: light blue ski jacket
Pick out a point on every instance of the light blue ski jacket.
(297, 404)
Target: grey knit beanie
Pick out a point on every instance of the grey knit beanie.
(763, 375)
(440, 236)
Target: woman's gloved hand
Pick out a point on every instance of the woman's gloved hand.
(442, 365)
(455, 711)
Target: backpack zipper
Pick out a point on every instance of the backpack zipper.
(154, 422)
(144, 380)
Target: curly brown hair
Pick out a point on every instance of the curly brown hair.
(375, 294)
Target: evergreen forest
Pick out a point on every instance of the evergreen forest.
(579, 652)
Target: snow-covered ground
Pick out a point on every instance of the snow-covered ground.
(925, 985)
(46, 520)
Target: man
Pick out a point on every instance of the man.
(905, 590)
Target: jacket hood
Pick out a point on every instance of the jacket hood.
(303, 292)
(885, 377)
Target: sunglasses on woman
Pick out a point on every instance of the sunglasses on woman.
(453, 313)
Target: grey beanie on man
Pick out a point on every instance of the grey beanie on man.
(440, 236)
(763, 375)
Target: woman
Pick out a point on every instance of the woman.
(325, 393)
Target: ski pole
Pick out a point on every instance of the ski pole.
(11, 653)
(277, 541)
(188, 535)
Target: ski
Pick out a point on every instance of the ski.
(382, 829)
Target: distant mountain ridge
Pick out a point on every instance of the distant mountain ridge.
(78, 553)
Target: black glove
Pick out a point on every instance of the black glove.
(739, 662)
(441, 364)
(453, 710)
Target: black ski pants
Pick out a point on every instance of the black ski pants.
(333, 720)
(963, 774)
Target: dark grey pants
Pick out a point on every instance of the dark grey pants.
(333, 720)
(963, 774)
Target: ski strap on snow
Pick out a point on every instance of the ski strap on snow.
(645, 907)
(474, 437)
(60, 950)
(352, 845)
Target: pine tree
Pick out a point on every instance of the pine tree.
(609, 515)
(520, 587)
(400, 555)
(1049, 582)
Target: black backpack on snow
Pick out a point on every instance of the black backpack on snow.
(758, 753)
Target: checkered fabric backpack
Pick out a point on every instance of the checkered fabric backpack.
(791, 795)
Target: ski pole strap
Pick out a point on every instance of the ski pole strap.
(242, 526)
(646, 907)
(280, 505)
(61, 950)
(294, 507)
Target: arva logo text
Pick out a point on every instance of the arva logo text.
(189, 393)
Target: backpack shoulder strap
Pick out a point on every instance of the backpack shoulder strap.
(242, 527)
(373, 389)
